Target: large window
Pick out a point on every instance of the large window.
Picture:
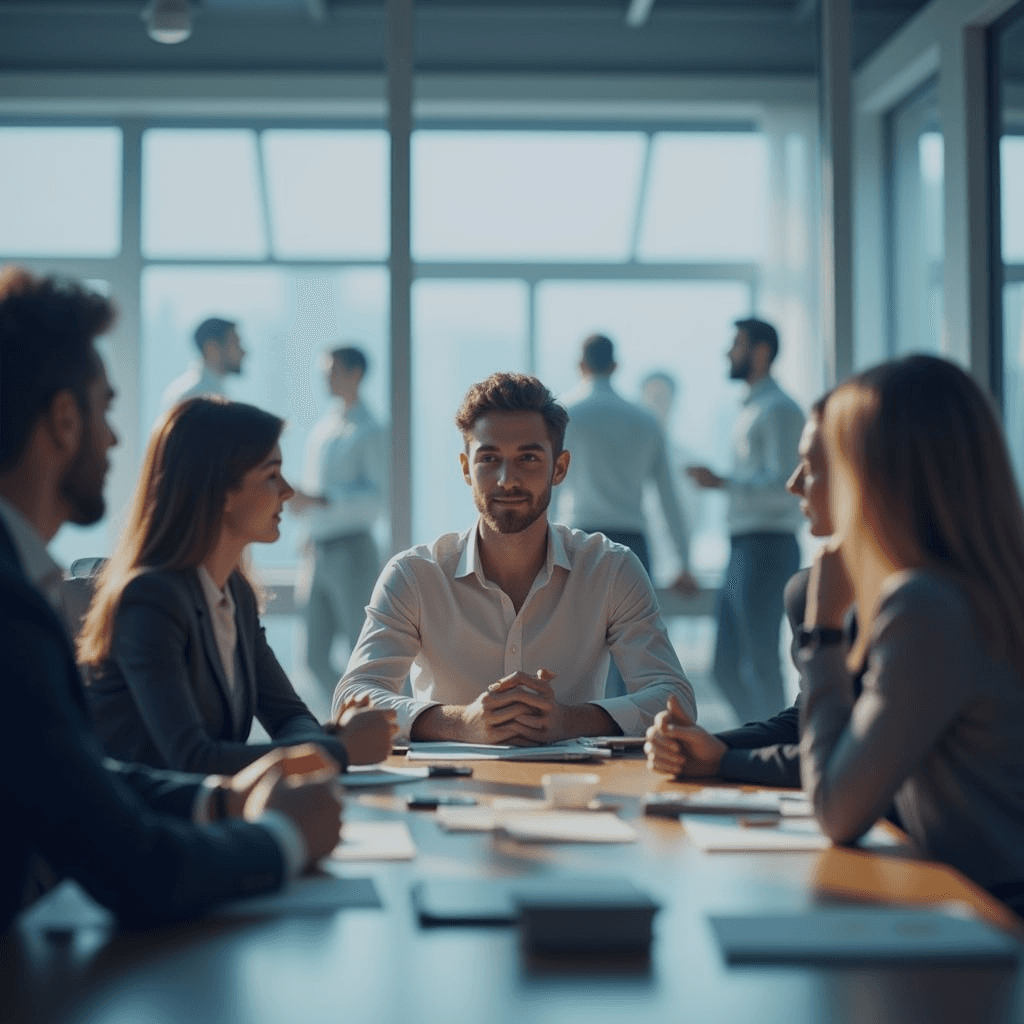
(916, 216)
(1010, 43)
(524, 241)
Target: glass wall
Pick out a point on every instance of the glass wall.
(915, 222)
(1009, 40)
(525, 241)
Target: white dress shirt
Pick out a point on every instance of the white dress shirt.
(222, 614)
(196, 381)
(765, 441)
(47, 576)
(347, 464)
(435, 615)
(616, 447)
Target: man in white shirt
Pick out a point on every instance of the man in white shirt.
(508, 628)
(345, 493)
(221, 355)
(122, 831)
(763, 520)
(616, 448)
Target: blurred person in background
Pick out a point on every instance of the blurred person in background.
(763, 520)
(220, 356)
(344, 495)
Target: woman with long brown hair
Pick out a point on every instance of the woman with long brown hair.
(176, 658)
(929, 543)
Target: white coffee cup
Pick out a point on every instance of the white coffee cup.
(571, 789)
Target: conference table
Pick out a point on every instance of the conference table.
(370, 965)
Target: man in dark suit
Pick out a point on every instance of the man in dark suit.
(125, 833)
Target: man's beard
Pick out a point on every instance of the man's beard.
(82, 485)
(512, 520)
(740, 371)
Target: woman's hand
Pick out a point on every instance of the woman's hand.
(829, 590)
(366, 731)
(678, 747)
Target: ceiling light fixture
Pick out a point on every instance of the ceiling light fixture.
(168, 21)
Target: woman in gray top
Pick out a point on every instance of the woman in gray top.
(929, 543)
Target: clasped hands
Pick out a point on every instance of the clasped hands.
(519, 710)
(678, 747)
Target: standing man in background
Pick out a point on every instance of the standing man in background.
(221, 355)
(346, 491)
(616, 447)
(763, 520)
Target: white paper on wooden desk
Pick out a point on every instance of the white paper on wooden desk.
(797, 835)
(538, 826)
(566, 750)
(375, 840)
(361, 776)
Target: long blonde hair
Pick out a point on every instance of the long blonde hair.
(925, 444)
(198, 452)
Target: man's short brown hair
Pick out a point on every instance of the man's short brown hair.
(513, 392)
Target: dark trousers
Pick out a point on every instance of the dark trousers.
(615, 685)
(750, 609)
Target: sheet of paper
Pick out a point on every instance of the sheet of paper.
(368, 775)
(375, 840)
(567, 827)
(861, 934)
(320, 895)
(525, 821)
(725, 835)
(569, 750)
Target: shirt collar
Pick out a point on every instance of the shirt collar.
(758, 389)
(470, 564)
(214, 596)
(36, 561)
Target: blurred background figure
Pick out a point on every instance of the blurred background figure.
(345, 494)
(616, 447)
(221, 355)
(659, 392)
(763, 520)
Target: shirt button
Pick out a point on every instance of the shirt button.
(515, 650)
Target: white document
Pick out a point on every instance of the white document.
(797, 835)
(567, 750)
(538, 826)
(375, 840)
(368, 775)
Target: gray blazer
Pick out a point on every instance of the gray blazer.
(162, 697)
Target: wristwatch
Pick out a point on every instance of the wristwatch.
(819, 636)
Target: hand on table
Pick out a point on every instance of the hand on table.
(313, 802)
(366, 731)
(301, 760)
(514, 710)
(678, 747)
(704, 477)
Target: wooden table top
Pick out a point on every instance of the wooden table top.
(380, 965)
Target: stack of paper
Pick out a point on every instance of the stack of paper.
(787, 835)
(539, 826)
(374, 840)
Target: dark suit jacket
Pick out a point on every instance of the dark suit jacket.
(768, 753)
(162, 697)
(87, 819)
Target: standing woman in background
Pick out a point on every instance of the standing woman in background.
(929, 542)
(177, 661)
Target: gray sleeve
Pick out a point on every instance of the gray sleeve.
(856, 753)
